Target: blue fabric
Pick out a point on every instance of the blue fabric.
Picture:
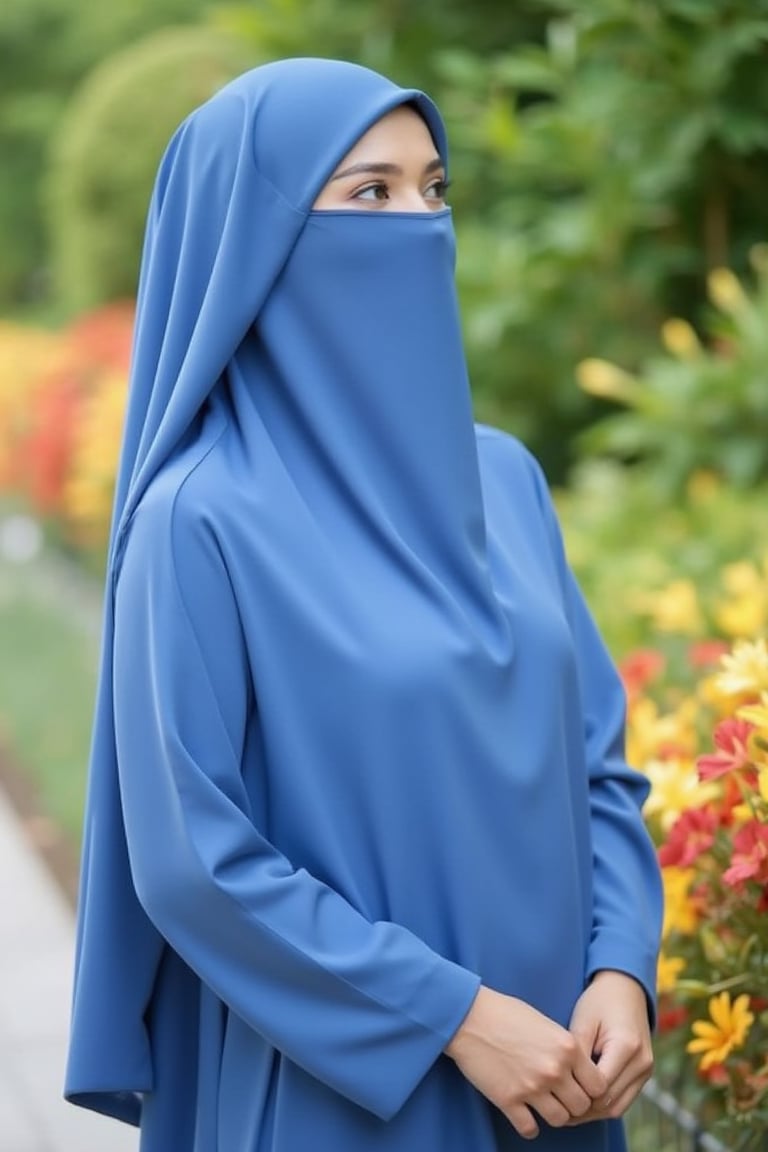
(358, 745)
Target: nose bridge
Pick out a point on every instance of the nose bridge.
(411, 198)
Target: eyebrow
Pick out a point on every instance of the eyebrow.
(384, 169)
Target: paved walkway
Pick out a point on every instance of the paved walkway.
(36, 945)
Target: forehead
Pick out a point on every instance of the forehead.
(401, 133)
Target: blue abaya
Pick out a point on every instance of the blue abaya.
(358, 745)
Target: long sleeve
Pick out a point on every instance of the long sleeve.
(364, 1007)
(627, 910)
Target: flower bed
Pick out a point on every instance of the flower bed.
(698, 726)
(62, 396)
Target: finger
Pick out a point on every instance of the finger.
(590, 1076)
(551, 1110)
(574, 1099)
(613, 1105)
(523, 1121)
(586, 1035)
(622, 1096)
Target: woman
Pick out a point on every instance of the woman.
(364, 866)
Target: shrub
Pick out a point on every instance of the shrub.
(702, 405)
(107, 151)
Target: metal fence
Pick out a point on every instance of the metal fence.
(657, 1123)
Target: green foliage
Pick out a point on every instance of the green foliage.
(627, 543)
(600, 174)
(46, 47)
(397, 37)
(700, 406)
(108, 149)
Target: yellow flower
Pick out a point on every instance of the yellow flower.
(675, 787)
(756, 714)
(757, 744)
(727, 1029)
(762, 784)
(606, 380)
(651, 736)
(741, 578)
(725, 291)
(742, 616)
(675, 608)
(669, 968)
(703, 485)
(745, 611)
(680, 913)
(745, 669)
(679, 339)
(90, 484)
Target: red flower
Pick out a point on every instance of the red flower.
(640, 668)
(750, 855)
(706, 653)
(716, 1074)
(671, 1016)
(731, 738)
(692, 834)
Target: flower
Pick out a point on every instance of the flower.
(639, 669)
(725, 291)
(651, 736)
(745, 669)
(675, 788)
(727, 1029)
(711, 831)
(675, 608)
(667, 972)
(691, 835)
(756, 714)
(731, 737)
(680, 912)
(679, 338)
(705, 653)
(750, 854)
(606, 380)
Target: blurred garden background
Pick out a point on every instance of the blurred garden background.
(610, 187)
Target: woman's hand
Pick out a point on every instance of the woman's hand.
(525, 1063)
(610, 1022)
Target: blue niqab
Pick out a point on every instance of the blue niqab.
(357, 743)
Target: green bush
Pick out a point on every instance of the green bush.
(107, 151)
(703, 404)
(46, 48)
(600, 176)
(650, 567)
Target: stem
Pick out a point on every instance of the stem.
(716, 227)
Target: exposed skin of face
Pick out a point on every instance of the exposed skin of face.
(393, 167)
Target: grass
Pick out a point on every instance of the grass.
(49, 629)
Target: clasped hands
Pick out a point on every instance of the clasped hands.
(529, 1066)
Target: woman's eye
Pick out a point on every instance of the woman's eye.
(377, 192)
(436, 190)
